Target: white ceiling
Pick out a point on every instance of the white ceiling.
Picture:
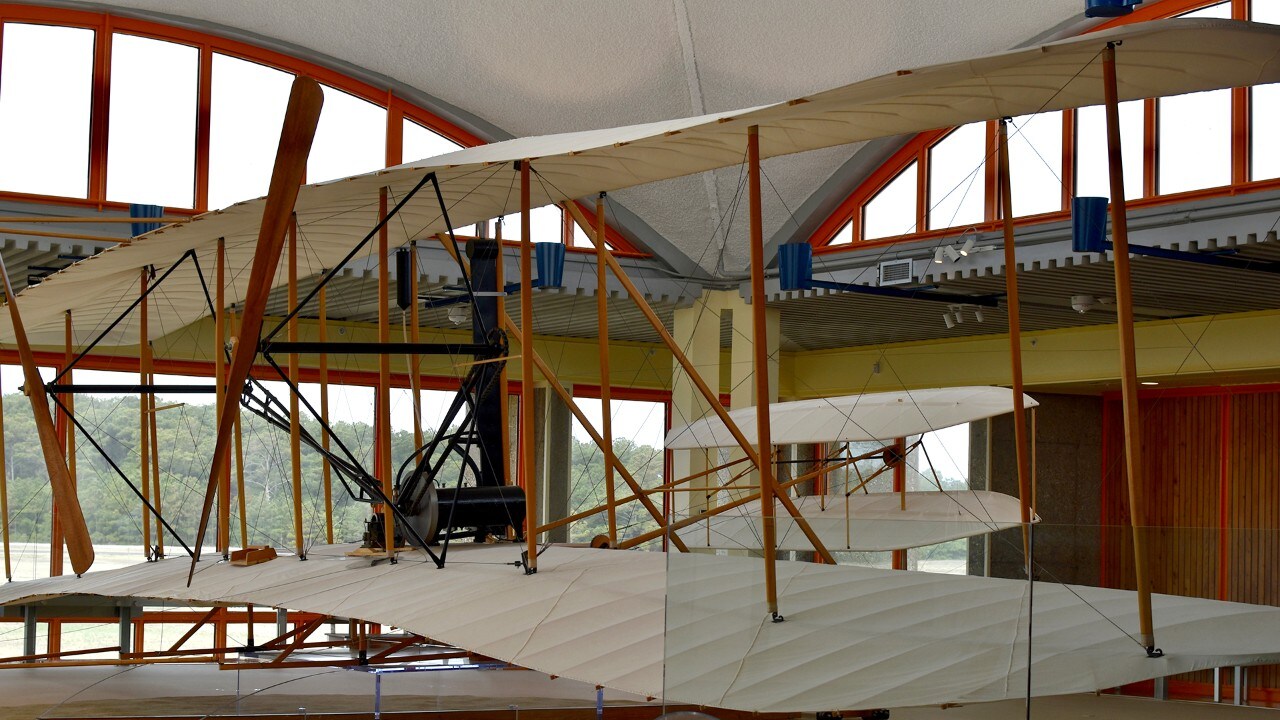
(531, 67)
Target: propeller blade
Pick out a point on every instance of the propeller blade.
(300, 120)
(74, 530)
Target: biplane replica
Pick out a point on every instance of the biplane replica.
(730, 631)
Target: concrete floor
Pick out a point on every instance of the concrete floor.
(1094, 707)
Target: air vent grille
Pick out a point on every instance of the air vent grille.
(896, 272)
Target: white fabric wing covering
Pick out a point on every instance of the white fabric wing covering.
(869, 522)
(853, 637)
(853, 418)
(1158, 58)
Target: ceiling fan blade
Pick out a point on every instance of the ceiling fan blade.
(70, 516)
(300, 120)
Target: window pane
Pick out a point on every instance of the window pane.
(1265, 152)
(844, 235)
(247, 109)
(351, 138)
(957, 193)
(46, 88)
(420, 143)
(893, 210)
(1201, 121)
(1221, 10)
(546, 222)
(1035, 163)
(151, 149)
(1092, 176)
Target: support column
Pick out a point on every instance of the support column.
(30, 630)
(741, 353)
(697, 332)
(126, 629)
(556, 452)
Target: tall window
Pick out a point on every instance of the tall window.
(956, 169)
(420, 143)
(151, 148)
(247, 108)
(1264, 142)
(893, 210)
(351, 138)
(1092, 176)
(46, 87)
(1035, 163)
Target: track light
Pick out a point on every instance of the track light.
(959, 316)
(968, 246)
(977, 314)
(951, 252)
(946, 318)
(937, 255)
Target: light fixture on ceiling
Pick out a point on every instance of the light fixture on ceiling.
(977, 314)
(1083, 303)
(937, 255)
(946, 318)
(952, 255)
(967, 247)
(1150, 382)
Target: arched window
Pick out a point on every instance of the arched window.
(108, 111)
(1053, 156)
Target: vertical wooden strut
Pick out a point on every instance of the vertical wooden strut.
(301, 117)
(326, 471)
(504, 402)
(153, 435)
(75, 532)
(4, 501)
(69, 401)
(295, 420)
(383, 402)
(760, 369)
(144, 432)
(415, 365)
(220, 397)
(527, 448)
(1014, 306)
(1128, 353)
(602, 332)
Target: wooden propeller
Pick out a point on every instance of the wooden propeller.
(300, 120)
(74, 529)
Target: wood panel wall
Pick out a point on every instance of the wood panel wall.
(1211, 496)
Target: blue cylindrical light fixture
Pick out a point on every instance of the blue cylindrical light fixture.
(1089, 224)
(550, 259)
(795, 266)
(1108, 8)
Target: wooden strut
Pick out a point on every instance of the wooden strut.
(1128, 353)
(504, 397)
(295, 420)
(326, 470)
(69, 438)
(527, 449)
(606, 407)
(220, 398)
(301, 117)
(415, 333)
(144, 434)
(760, 370)
(717, 510)
(153, 435)
(711, 398)
(241, 500)
(4, 501)
(1013, 305)
(76, 533)
(382, 404)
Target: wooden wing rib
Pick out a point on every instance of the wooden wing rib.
(300, 120)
